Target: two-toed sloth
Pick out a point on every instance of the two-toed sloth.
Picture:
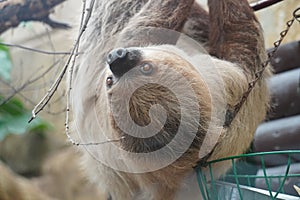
(135, 86)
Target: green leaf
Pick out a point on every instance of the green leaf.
(14, 119)
(13, 107)
(5, 63)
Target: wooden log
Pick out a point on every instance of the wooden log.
(287, 57)
(282, 134)
(285, 92)
(275, 182)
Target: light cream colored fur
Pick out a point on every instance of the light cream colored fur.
(91, 110)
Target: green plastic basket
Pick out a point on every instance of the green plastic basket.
(242, 184)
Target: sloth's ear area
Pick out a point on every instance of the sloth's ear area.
(122, 60)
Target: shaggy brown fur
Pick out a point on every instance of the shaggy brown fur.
(233, 36)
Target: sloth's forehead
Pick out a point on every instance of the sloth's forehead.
(161, 52)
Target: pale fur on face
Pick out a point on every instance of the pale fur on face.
(218, 85)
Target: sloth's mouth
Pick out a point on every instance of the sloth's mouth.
(145, 145)
(139, 137)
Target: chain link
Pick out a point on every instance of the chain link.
(231, 114)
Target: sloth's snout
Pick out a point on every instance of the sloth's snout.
(121, 60)
(116, 54)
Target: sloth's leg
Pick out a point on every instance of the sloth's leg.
(235, 34)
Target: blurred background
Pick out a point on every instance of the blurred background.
(36, 161)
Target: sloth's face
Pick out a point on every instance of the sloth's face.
(142, 63)
(148, 90)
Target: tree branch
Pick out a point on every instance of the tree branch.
(263, 4)
(13, 12)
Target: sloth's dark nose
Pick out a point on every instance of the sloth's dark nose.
(116, 54)
(121, 60)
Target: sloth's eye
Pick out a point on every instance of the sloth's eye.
(109, 81)
(146, 68)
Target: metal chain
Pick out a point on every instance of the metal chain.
(231, 114)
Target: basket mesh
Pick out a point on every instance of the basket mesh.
(251, 177)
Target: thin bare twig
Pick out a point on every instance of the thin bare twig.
(28, 99)
(83, 24)
(99, 143)
(35, 50)
(41, 105)
(71, 71)
(29, 82)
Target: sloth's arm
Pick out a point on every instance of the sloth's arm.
(169, 14)
(161, 14)
(235, 34)
(197, 24)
